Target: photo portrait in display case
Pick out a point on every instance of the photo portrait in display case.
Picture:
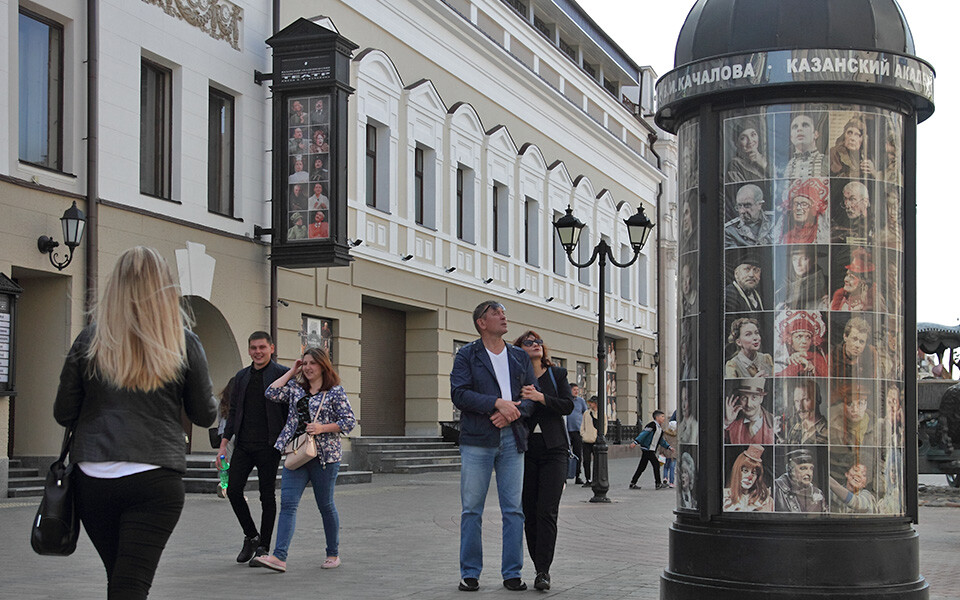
(298, 142)
(611, 354)
(852, 351)
(297, 195)
(802, 153)
(308, 168)
(854, 150)
(689, 225)
(746, 149)
(611, 391)
(318, 168)
(852, 481)
(298, 173)
(853, 217)
(747, 416)
(853, 414)
(297, 230)
(854, 280)
(689, 142)
(318, 140)
(689, 285)
(748, 479)
(800, 411)
(687, 473)
(318, 199)
(319, 227)
(320, 110)
(297, 112)
(688, 429)
(745, 355)
(749, 273)
(801, 344)
(889, 266)
(890, 233)
(583, 379)
(748, 222)
(803, 217)
(891, 439)
(889, 343)
(316, 333)
(802, 277)
(688, 348)
(803, 477)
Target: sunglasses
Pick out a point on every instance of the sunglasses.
(529, 343)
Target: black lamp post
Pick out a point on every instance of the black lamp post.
(568, 229)
(73, 222)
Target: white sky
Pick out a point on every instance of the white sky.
(647, 31)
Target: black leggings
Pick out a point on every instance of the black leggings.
(544, 475)
(129, 520)
(587, 458)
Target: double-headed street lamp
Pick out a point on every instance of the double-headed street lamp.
(568, 229)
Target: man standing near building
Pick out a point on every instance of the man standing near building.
(485, 385)
(256, 422)
(794, 491)
(574, 420)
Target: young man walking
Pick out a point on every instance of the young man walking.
(650, 437)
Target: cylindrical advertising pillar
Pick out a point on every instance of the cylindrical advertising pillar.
(797, 424)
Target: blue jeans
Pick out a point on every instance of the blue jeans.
(324, 479)
(669, 470)
(477, 464)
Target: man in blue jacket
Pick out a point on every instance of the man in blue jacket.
(256, 422)
(488, 375)
(650, 437)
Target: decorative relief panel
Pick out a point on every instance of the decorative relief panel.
(220, 19)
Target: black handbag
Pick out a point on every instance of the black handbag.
(56, 527)
(572, 461)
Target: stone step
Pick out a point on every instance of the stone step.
(207, 485)
(23, 472)
(25, 482)
(424, 468)
(384, 446)
(380, 439)
(438, 453)
(25, 492)
(387, 464)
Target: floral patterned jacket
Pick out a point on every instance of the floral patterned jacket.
(336, 409)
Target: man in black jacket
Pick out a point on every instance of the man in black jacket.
(256, 422)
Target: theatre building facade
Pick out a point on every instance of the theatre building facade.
(468, 128)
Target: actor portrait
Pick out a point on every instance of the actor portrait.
(859, 290)
(803, 213)
(849, 157)
(319, 144)
(744, 293)
(803, 423)
(854, 223)
(688, 284)
(297, 144)
(746, 359)
(319, 228)
(320, 114)
(805, 286)
(688, 348)
(854, 356)
(752, 226)
(297, 231)
(298, 116)
(891, 234)
(319, 172)
(806, 158)
(688, 481)
(749, 162)
(891, 169)
(688, 221)
(802, 336)
(318, 201)
(297, 174)
(850, 479)
(298, 197)
(795, 490)
(747, 490)
(745, 418)
(689, 429)
(851, 416)
(689, 170)
(889, 351)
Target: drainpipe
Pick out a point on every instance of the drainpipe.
(661, 320)
(274, 292)
(93, 172)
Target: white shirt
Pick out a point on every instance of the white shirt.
(502, 368)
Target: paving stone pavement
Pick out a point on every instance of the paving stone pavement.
(399, 539)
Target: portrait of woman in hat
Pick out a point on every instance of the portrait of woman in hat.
(297, 231)
(803, 213)
(749, 162)
(746, 489)
(802, 334)
(848, 157)
(859, 292)
(805, 286)
(747, 360)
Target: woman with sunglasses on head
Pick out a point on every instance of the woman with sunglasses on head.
(319, 407)
(545, 461)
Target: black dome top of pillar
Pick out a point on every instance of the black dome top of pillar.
(719, 27)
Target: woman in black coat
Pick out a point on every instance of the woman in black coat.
(545, 462)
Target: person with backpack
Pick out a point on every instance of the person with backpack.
(649, 439)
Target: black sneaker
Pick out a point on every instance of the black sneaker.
(542, 582)
(587, 483)
(662, 486)
(261, 551)
(634, 486)
(514, 584)
(578, 481)
(249, 546)
(469, 584)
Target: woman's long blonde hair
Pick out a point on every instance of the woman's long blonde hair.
(138, 341)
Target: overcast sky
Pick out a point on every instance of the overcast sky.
(647, 31)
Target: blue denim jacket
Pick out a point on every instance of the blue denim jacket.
(474, 390)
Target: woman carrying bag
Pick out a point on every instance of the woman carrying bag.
(545, 461)
(318, 407)
(123, 386)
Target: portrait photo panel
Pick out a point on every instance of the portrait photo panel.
(749, 345)
(746, 147)
(800, 410)
(748, 478)
(749, 279)
(687, 478)
(801, 344)
(802, 479)
(801, 275)
(748, 214)
(748, 411)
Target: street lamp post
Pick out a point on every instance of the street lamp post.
(568, 230)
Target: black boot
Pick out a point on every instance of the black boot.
(249, 546)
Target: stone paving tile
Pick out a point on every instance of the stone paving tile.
(400, 538)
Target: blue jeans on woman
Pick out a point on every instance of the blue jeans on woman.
(477, 466)
(324, 479)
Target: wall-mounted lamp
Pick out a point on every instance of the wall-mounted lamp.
(576, 306)
(73, 223)
(521, 290)
(354, 243)
(283, 303)
(406, 258)
(656, 359)
(620, 320)
(487, 280)
(450, 269)
(550, 299)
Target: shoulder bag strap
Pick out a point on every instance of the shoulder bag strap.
(556, 388)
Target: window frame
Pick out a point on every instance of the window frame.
(418, 188)
(371, 165)
(58, 165)
(163, 132)
(229, 101)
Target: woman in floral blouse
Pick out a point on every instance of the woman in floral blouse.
(316, 388)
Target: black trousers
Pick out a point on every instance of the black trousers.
(649, 456)
(576, 443)
(129, 520)
(587, 457)
(544, 474)
(267, 461)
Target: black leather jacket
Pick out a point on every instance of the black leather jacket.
(123, 425)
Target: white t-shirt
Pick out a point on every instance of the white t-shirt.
(113, 469)
(502, 368)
